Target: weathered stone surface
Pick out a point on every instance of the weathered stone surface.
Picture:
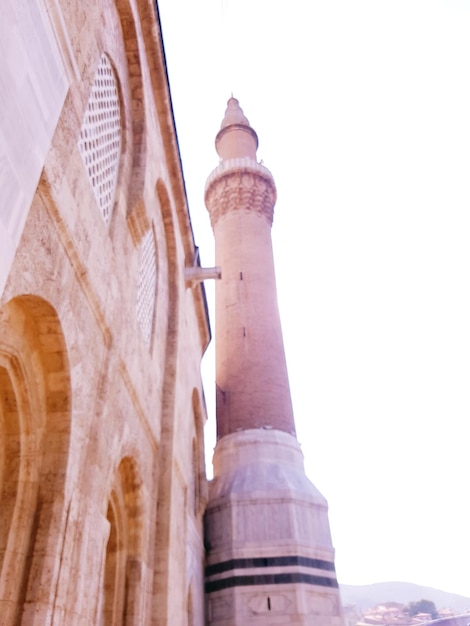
(102, 480)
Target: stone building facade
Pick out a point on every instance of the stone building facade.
(103, 324)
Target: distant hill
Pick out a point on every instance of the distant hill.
(367, 596)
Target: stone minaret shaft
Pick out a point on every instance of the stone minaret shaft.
(251, 373)
(269, 556)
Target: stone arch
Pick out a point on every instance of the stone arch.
(34, 439)
(198, 460)
(123, 591)
(173, 301)
(137, 112)
(115, 562)
(190, 607)
(163, 537)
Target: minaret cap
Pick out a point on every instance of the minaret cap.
(236, 138)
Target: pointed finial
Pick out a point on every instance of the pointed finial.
(234, 114)
(236, 138)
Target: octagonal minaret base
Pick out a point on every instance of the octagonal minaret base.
(270, 558)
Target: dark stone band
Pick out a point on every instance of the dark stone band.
(270, 579)
(270, 561)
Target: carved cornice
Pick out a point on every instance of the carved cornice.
(240, 184)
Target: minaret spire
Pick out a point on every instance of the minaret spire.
(236, 138)
(269, 552)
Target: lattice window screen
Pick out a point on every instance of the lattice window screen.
(100, 136)
(146, 291)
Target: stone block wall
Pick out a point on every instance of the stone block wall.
(102, 482)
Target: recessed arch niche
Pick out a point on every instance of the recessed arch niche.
(123, 581)
(34, 444)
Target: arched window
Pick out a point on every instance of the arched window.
(100, 136)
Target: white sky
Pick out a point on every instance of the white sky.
(362, 108)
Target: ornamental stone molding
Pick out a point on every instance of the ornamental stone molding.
(240, 184)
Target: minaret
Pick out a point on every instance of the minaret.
(270, 558)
